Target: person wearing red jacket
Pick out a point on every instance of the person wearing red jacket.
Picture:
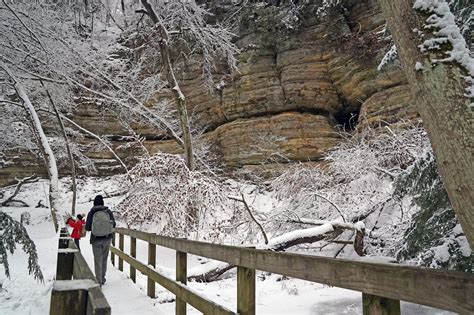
(76, 228)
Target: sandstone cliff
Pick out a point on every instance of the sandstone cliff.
(297, 85)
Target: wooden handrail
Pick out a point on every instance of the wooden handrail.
(448, 290)
(185, 293)
(75, 290)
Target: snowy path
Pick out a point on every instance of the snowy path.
(121, 293)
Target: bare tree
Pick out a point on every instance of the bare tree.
(30, 53)
(162, 190)
(187, 20)
(69, 152)
(46, 148)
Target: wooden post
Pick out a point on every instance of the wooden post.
(121, 246)
(97, 303)
(133, 253)
(65, 264)
(64, 242)
(112, 255)
(376, 305)
(73, 302)
(245, 291)
(181, 276)
(64, 238)
(63, 233)
(359, 243)
(152, 262)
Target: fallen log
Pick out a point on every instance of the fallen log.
(325, 231)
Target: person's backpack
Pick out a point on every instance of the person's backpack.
(83, 231)
(102, 223)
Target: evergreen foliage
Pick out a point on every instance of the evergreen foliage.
(464, 12)
(432, 238)
(12, 233)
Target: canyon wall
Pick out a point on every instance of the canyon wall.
(299, 84)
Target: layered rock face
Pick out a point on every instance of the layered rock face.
(296, 86)
(297, 82)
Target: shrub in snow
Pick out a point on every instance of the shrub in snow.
(358, 184)
(166, 197)
(357, 177)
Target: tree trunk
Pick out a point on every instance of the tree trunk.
(68, 148)
(439, 92)
(180, 103)
(173, 82)
(43, 143)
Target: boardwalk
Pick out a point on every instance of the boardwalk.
(302, 297)
(122, 294)
(383, 284)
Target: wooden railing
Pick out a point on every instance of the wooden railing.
(75, 290)
(382, 285)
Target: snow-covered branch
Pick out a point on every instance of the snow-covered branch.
(311, 235)
(242, 199)
(184, 203)
(21, 182)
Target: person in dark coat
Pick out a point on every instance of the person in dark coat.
(76, 228)
(100, 243)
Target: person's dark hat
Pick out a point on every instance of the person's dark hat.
(79, 217)
(98, 200)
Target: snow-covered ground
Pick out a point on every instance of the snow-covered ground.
(21, 294)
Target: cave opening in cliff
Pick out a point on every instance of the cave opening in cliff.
(347, 118)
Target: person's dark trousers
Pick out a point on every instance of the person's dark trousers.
(76, 240)
(100, 248)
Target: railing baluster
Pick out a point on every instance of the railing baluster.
(112, 255)
(152, 262)
(376, 305)
(245, 291)
(133, 253)
(181, 276)
(121, 246)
